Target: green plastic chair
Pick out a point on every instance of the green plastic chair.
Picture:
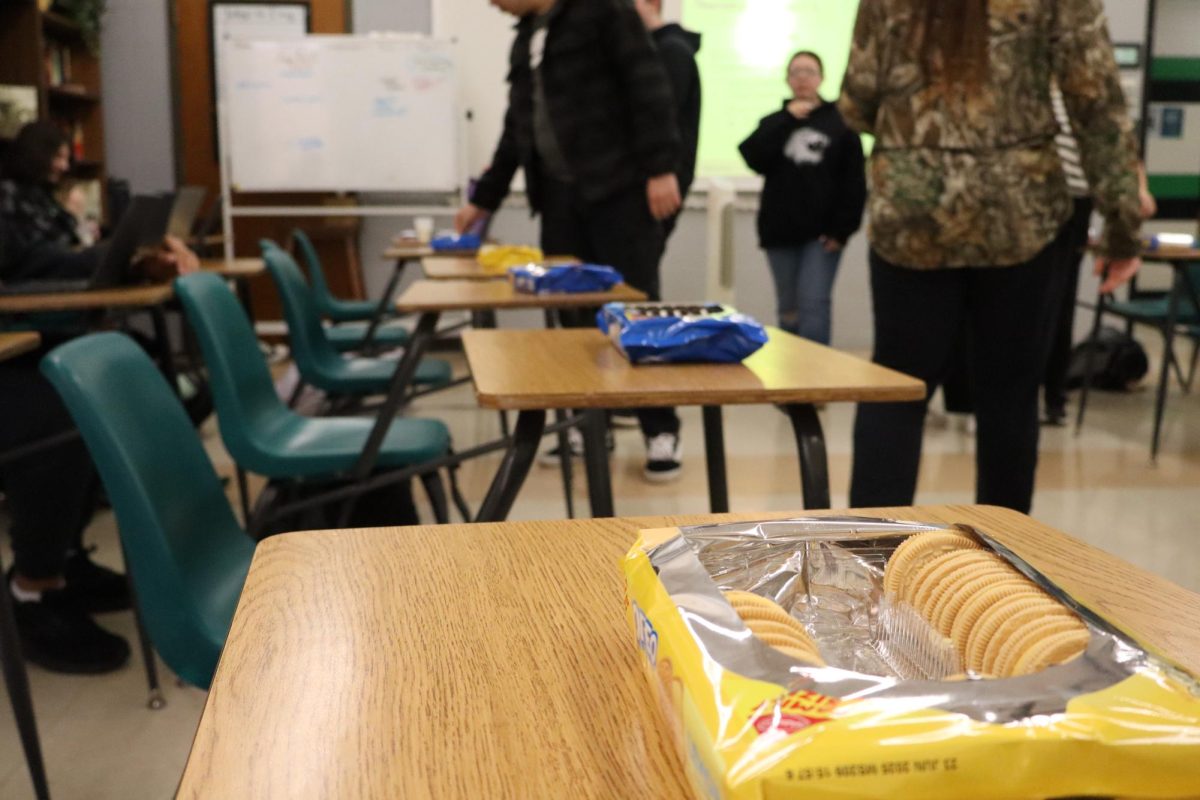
(318, 362)
(184, 549)
(329, 306)
(263, 435)
(346, 336)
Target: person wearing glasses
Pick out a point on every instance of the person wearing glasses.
(814, 189)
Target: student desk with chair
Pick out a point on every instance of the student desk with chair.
(531, 371)
(15, 678)
(495, 660)
(468, 268)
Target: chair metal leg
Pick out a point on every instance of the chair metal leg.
(435, 490)
(243, 493)
(17, 683)
(1168, 332)
(714, 457)
(595, 458)
(154, 697)
(299, 390)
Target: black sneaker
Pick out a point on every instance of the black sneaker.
(57, 635)
(1056, 417)
(94, 588)
(662, 458)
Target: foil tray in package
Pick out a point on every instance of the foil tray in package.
(892, 712)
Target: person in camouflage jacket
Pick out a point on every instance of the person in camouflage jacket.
(967, 207)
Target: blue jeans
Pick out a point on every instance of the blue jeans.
(803, 288)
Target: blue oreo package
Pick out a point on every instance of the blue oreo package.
(659, 333)
(563, 279)
(460, 241)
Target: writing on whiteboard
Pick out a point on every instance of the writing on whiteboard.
(310, 144)
(384, 107)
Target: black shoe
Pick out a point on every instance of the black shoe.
(1055, 417)
(662, 458)
(57, 635)
(94, 588)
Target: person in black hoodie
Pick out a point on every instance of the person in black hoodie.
(591, 122)
(812, 198)
(677, 48)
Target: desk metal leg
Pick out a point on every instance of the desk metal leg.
(565, 466)
(515, 466)
(814, 464)
(382, 309)
(17, 683)
(406, 368)
(595, 457)
(159, 318)
(714, 457)
(1160, 403)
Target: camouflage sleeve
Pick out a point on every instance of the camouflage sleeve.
(859, 102)
(1087, 74)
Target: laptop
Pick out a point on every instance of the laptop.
(143, 214)
(185, 211)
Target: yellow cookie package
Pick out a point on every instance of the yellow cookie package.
(865, 658)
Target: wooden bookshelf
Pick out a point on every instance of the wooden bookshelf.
(47, 51)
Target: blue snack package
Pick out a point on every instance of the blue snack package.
(461, 241)
(563, 279)
(673, 333)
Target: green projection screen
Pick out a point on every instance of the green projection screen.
(742, 62)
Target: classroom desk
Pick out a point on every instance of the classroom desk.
(467, 268)
(531, 371)
(494, 660)
(234, 269)
(430, 299)
(15, 678)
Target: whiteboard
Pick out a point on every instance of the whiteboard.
(341, 113)
(254, 21)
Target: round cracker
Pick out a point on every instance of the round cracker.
(960, 585)
(978, 600)
(1052, 651)
(982, 633)
(761, 627)
(916, 590)
(951, 574)
(750, 606)
(800, 654)
(1008, 653)
(915, 550)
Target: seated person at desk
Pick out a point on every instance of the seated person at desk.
(50, 494)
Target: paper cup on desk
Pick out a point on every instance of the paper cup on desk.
(424, 229)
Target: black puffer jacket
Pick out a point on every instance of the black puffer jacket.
(608, 97)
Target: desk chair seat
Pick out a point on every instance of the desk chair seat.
(349, 336)
(328, 306)
(185, 551)
(1153, 310)
(318, 362)
(259, 431)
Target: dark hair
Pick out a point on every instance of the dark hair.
(809, 54)
(952, 38)
(29, 156)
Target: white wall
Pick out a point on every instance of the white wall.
(136, 73)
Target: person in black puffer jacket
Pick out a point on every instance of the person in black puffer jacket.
(812, 198)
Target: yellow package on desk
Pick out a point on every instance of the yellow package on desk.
(496, 259)
(861, 658)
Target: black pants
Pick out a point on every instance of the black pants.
(50, 494)
(619, 232)
(919, 318)
(1075, 238)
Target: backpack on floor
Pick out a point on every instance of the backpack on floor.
(1118, 361)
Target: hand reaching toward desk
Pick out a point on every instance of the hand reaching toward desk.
(662, 192)
(467, 217)
(171, 259)
(1116, 272)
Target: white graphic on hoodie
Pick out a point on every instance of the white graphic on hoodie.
(806, 146)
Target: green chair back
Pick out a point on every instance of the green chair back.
(328, 306)
(183, 547)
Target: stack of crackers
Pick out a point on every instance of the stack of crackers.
(1000, 622)
(774, 626)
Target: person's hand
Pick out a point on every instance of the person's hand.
(1116, 271)
(467, 216)
(800, 108)
(1148, 205)
(662, 192)
(831, 245)
(186, 261)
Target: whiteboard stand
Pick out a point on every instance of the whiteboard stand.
(358, 56)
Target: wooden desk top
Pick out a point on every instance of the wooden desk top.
(451, 268)
(464, 661)
(236, 269)
(151, 294)
(18, 343)
(580, 368)
(463, 295)
(1171, 255)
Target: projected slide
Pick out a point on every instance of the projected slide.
(744, 56)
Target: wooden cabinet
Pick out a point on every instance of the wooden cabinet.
(48, 51)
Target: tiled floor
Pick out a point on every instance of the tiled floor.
(101, 741)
